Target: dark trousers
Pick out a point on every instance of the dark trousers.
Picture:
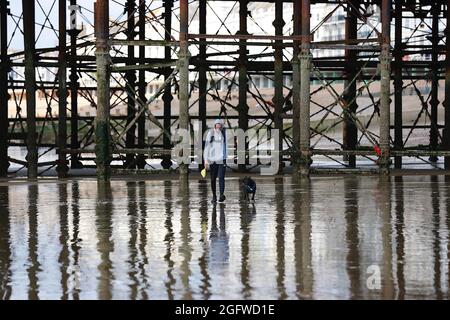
(217, 171)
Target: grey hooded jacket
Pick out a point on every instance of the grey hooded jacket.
(216, 144)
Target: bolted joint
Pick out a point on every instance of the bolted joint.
(445, 138)
(62, 168)
(131, 76)
(102, 48)
(446, 103)
(305, 157)
(384, 162)
(74, 78)
(168, 3)
(279, 23)
(182, 57)
(434, 101)
(167, 96)
(305, 55)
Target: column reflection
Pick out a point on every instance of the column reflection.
(64, 240)
(169, 239)
(143, 263)
(75, 242)
(400, 236)
(435, 211)
(247, 214)
(351, 187)
(447, 218)
(5, 248)
(280, 233)
(384, 188)
(34, 266)
(132, 243)
(302, 235)
(105, 242)
(203, 260)
(185, 248)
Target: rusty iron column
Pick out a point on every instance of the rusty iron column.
(62, 167)
(385, 73)
(297, 11)
(140, 159)
(30, 85)
(4, 96)
(446, 133)
(278, 99)
(75, 163)
(305, 86)
(398, 82)
(102, 127)
(350, 131)
(167, 97)
(434, 101)
(130, 76)
(243, 81)
(202, 79)
(183, 65)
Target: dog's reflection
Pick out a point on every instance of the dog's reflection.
(248, 213)
(219, 238)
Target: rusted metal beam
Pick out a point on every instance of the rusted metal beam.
(243, 80)
(149, 66)
(144, 42)
(130, 77)
(62, 167)
(74, 86)
(446, 133)
(350, 131)
(305, 58)
(4, 96)
(102, 125)
(30, 85)
(434, 101)
(278, 98)
(247, 36)
(398, 81)
(385, 100)
(140, 161)
(167, 95)
(297, 11)
(244, 65)
(183, 66)
(202, 78)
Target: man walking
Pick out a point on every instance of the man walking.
(215, 155)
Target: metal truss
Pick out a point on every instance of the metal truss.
(85, 82)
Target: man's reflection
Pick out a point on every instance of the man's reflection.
(219, 239)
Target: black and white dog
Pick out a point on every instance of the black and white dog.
(249, 187)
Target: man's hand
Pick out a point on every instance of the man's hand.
(206, 164)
